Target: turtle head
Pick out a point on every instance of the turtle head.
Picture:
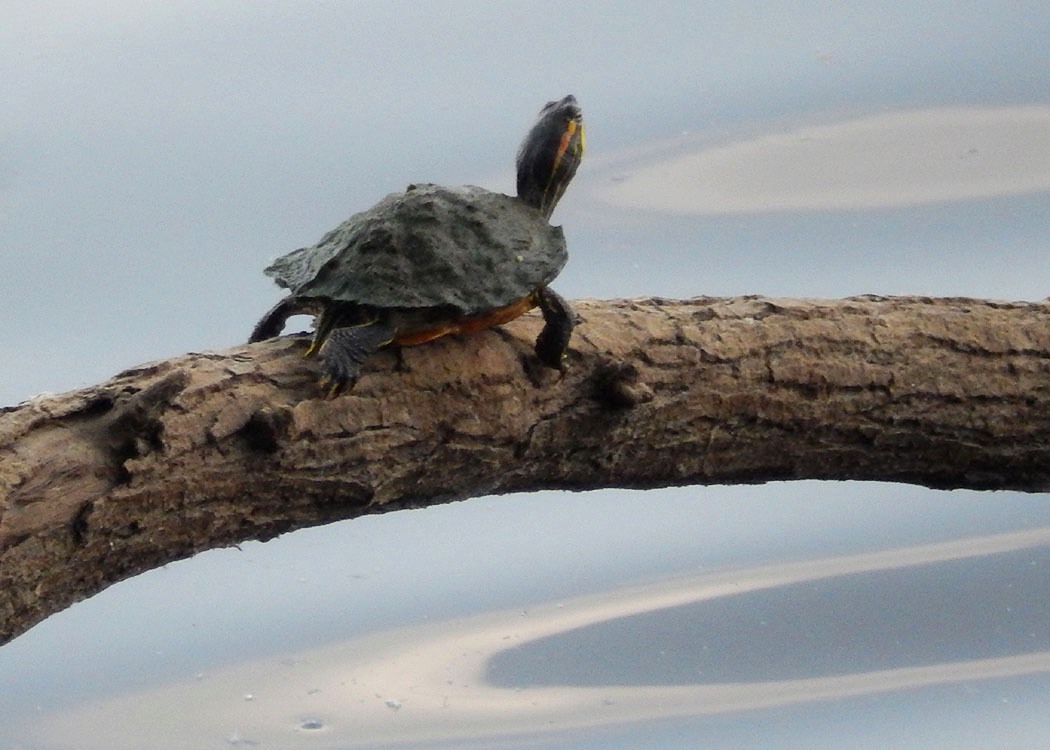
(550, 154)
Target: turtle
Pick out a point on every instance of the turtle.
(433, 260)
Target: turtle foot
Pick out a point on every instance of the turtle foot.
(345, 350)
(559, 320)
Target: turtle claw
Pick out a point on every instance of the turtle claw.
(331, 387)
(345, 350)
(336, 378)
(337, 372)
(559, 320)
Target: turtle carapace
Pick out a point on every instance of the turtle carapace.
(436, 260)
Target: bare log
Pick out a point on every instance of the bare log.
(212, 449)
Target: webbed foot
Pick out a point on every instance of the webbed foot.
(559, 319)
(345, 350)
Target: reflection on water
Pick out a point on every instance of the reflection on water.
(903, 158)
(303, 642)
(1007, 713)
(884, 619)
(815, 630)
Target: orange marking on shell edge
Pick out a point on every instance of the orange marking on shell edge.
(467, 325)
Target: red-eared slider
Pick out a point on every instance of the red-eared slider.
(436, 260)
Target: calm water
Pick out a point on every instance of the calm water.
(154, 160)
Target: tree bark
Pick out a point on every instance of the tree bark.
(211, 449)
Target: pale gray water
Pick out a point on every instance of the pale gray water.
(154, 158)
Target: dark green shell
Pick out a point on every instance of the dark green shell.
(462, 248)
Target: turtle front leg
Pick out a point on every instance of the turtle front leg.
(344, 351)
(559, 319)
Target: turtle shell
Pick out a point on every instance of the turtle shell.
(464, 248)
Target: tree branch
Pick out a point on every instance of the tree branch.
(212, 449)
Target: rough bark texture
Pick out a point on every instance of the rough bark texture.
(211, 449)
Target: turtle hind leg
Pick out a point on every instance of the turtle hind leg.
(559, 320)
(272, 323)
(344, 351)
